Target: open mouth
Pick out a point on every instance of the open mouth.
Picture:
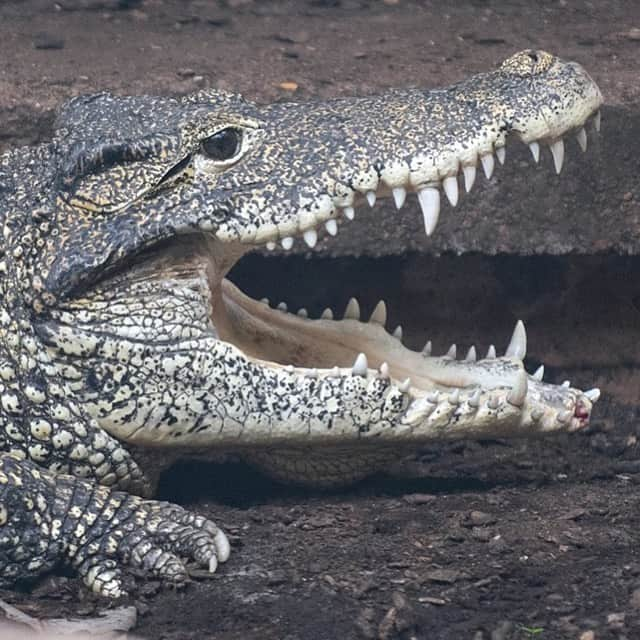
(346, 344)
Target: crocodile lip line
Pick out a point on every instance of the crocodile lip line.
(326, 346)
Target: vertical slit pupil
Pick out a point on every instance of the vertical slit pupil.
(222, 145)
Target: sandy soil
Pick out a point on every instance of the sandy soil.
(483, 541)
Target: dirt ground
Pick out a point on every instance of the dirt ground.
(468, 541)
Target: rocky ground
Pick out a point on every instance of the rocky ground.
(482, 541)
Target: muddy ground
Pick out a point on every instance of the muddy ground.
(479, 541)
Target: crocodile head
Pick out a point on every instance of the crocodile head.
(150, 201)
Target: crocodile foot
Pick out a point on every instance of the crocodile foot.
(48, 520)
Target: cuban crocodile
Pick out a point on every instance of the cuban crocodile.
(123, 346)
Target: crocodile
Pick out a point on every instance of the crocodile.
(123, 346)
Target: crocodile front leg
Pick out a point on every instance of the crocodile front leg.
(48, 520)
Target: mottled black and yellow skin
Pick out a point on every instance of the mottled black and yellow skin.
(114, 235)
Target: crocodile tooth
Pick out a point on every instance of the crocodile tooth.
(501, 154)
(535, 151)
(303, 313)
(491, 353)
(397, 332)
(399, 196)
(518, 346)
(493, 403)
(539, 373)
(469, 172)
(518, 392)
(596, 120)
(287, 243)
(405, 386)
(557, 151)
(426, 350)
(371, 198)
(352, 310)
(271, 245)
(327, 314)
(471, 354)
(593, 394)
(331, 226)
(265, 301)
(564, 416)
(433, 397)
(474, 400)
(384, 370)
(454, 397)
(289, 368)
(450, 186)
(581, 137)
(312, 373)
(379, 314)
(282, 306)
(488, 164)
(335, 371)
(360, 366)
(310, 237)
(566, 384)
(429, 199)
(349, 213)
(223, 548)
(452, 352)
(213, 563)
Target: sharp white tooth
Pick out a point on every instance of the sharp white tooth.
(566, 384)
(426, 350)
(596, 121)
(450, 185)
(287, 243)
(518, 392)
(331, 226)
(312, 373)
(539, 373)
(282, 306)
(471, 354)
(399, 196)
(565, 416)
(265, 301)
(405, 386)
(593, 394)
(360, 366)
(474, 400)
(397, 332)
(535, 151)
(289, 368)
(557, 151)
(452, 352)
(491, 352)
(310, 237)
(581, 137)
(303, 313)
(454, 397)
(469, 172)
(335, 371)
(501, 154)
(271, 245)
(518, 346)
(384, 370)
(493, 403)
(488, 164)
(327, 314)
(429, 199)
(379, 315)
(371, 198)
(350, 212)
(433, 397)
(352, 311)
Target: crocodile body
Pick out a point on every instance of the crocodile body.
(123, 347)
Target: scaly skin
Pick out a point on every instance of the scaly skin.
(123, 347)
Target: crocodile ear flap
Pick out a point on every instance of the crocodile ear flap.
(108, 176)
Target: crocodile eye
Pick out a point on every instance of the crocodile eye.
(222, 145)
